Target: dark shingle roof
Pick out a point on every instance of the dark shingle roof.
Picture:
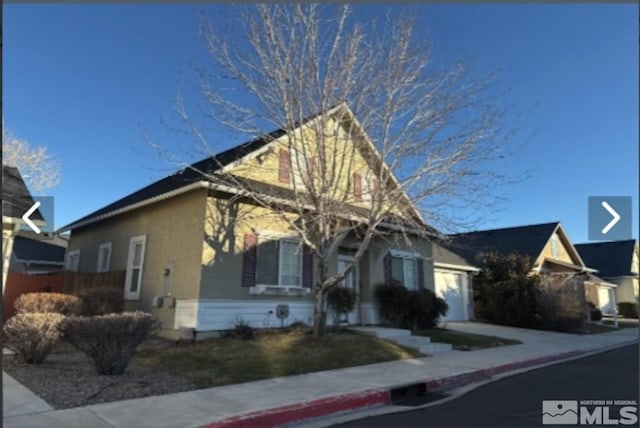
(183, 177)
(36, 250)
(16, 199)
(610, 258)
(524, 240)
(192, 174)
(445, 256)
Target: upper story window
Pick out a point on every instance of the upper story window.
(555, 246)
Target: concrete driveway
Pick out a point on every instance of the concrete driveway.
(522, 334)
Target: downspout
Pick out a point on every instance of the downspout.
(6, 256)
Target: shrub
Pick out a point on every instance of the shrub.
(505, 291)
(110, 341)
(33, 335)
(561, 305)
(241, 330)
(101, 301)
(393, 303)
(628, 309)
(299, 325)
(59, 303)
(341, 300)
(595, 315)
(425, 308)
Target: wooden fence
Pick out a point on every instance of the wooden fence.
(21, 283)
(75, 281)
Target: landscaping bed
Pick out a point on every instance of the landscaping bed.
(465, 341)
(271, 354)
(67, 378)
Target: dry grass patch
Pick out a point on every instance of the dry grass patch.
(272, 354)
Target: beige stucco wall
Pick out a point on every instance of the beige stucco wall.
(174, 230)
(222, 253)
(627, 290)
(226, 223)
(379, 249)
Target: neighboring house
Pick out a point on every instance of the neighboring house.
(37, 254)
(617, 262)
(198, 256)
(16, 201)
(548, 246)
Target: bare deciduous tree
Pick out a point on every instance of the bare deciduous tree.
(38, 168)
(372, 95)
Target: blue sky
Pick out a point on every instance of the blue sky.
(88, 80)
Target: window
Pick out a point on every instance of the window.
(104, 257)
(555, 246)
(73, 261)
(404, 269)
(279, 263)
(135, 264)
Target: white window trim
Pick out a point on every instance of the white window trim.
(274, 236)
(404, 254)
(128, 295)
(108, 263)
(70, 254)
(291, 241)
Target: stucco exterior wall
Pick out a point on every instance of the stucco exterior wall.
(174, 230)
(627, 290)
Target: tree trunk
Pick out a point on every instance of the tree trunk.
(319, 314)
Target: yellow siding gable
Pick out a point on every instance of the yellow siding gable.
(556, 249)
(343, 159)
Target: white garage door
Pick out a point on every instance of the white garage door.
(452, 287)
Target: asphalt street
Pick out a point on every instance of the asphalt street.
(516, 401)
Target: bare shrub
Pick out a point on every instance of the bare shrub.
(110, 341)
(561, 304)
(33, 335)
(59, 303)
(101, 301)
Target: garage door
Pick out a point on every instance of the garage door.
(451, 286)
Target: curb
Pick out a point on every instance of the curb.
(312, 409)
(354, 402)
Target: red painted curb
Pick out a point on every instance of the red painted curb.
(313, 409)
(327, 406)
(450, 382)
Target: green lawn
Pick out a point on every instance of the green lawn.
(272, 354)
(465, 341)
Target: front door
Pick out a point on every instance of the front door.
(349, 281)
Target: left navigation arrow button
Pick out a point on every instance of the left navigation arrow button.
(27, 220)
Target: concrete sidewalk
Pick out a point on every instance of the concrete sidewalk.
(277, 402)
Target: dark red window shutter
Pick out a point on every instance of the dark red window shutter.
(357, 186)
(307, 267)
(387, 269)
(374, 189)
(284, 170)
(420, 264)
(249, 260)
